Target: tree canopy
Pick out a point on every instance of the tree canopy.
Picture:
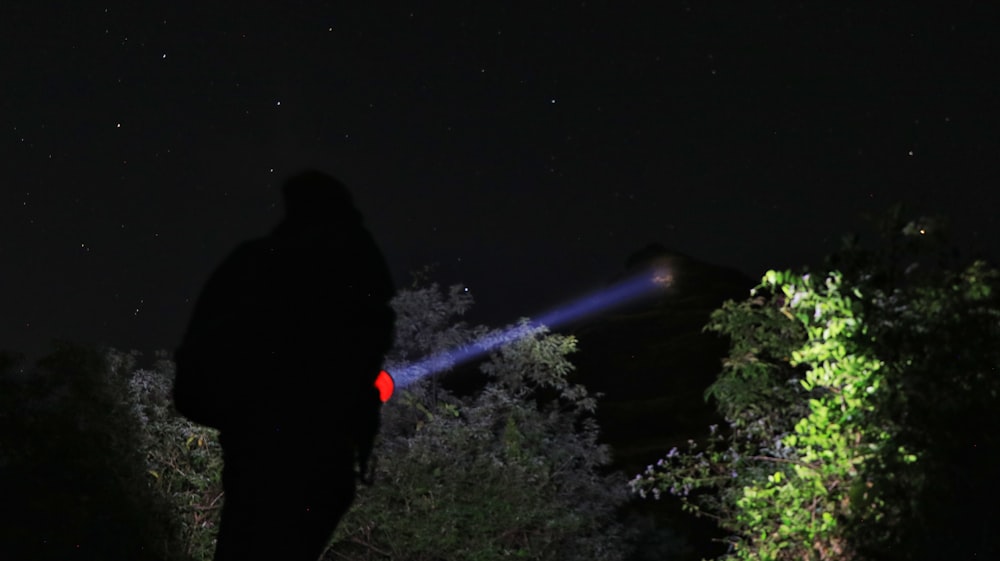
(861, 409)
(97, 464)
(512, 468)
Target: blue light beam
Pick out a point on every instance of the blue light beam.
(617, 294)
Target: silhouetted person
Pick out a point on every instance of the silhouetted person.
(281, 355)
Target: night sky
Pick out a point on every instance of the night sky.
(525, 149)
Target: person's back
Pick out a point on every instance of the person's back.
(281, 354)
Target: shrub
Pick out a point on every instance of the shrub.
(861, 412)
(512, 470)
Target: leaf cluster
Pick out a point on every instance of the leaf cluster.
(512, 470)
(861, 409)
(73, 480)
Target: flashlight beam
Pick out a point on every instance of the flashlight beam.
(615, 295)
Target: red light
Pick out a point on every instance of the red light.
(384, 384)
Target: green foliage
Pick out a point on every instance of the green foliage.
(758, 386)
(796, 391)
(183, 460)
(512, 470)
(938, 334)
(850, 399)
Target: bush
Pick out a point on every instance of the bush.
(106, 469)
(512, 470)
(861, 410)
(73, 482)
(183, 460)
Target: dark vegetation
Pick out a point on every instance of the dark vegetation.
(72, 470)
(528, 453)
(652, 363)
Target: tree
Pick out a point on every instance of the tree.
(860, 406)
(73, 481)
(182, 460)
(511, 469)
(935, 323)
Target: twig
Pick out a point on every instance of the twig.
(340, 555)
(216, 499)
(371, 547)
(784, 461)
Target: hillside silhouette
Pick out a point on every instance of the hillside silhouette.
(652, 362)
(651, 359)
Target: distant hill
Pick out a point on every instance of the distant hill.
(653, 362)
(651, 359)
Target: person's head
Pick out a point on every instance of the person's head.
(315, 196)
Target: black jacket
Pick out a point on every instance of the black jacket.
(290, 331)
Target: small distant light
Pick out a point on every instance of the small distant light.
(663, 277)
(922, 231)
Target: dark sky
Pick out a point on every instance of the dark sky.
(526, 150)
